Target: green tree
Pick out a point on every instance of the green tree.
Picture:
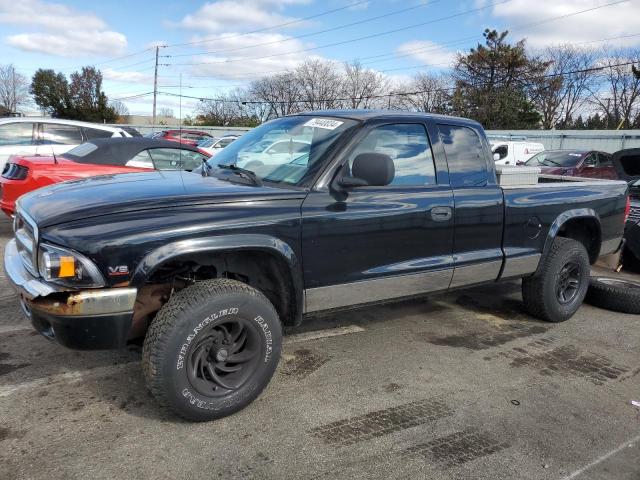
(493, 83)
(50, 92)
(82, 99)
(89, 101)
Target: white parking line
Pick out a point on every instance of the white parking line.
(330, 332)
(628, 443)
(14, 328)
(67, 377)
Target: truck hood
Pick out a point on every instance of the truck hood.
(108, 194)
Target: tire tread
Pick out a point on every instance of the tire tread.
(168, 316)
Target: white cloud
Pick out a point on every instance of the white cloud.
(59, 30)
(243, 62)
(126, 77)
(427, 52)
(606, 22)
(241, 15)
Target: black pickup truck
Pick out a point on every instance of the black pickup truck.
(305, 213)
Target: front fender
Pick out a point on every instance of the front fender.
(224, 243)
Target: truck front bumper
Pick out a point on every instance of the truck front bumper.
(83, 319)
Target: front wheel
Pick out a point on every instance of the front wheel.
(558, 288)
(212, 348)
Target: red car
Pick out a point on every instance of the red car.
(186, 137)
(575, 163)
(107, 156)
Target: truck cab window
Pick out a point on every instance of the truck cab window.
(409, 148)
(465, 156)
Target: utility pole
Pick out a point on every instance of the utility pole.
(155, 86)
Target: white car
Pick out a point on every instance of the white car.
(47, 136)
(214, 145)
(514, 153)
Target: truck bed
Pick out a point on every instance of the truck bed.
(533, 213)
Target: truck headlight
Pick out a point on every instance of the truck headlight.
(68, 268)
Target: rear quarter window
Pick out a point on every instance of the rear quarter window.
(465, 156)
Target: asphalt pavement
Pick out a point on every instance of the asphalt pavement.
(462, 385)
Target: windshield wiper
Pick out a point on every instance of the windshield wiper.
(242, 172)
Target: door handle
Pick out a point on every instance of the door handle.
(441, 214)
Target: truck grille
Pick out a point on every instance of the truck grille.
(26, 233)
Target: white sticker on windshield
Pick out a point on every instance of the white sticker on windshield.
(323, 123)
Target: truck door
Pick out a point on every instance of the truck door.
(478, 200)
(373, 243)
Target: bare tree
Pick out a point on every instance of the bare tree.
(165, 112)
(566, 85)
(363, 87)
(228, 109)
(617, 95)
(119, 107)
(320, 84)
(427, 93)
(14, 88)
(280, 93)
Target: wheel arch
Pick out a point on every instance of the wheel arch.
(582, 225)
(276, 258)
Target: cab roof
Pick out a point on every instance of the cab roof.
(364, 115)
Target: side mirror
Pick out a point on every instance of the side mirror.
(496, 157)
(375, 169)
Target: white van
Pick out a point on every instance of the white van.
(47, 136)
(514, 153)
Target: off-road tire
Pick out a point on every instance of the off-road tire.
(540, 291)
(615, 294)
(180, 337)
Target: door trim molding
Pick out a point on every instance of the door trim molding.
(375, 290)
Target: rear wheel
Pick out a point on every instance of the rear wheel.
(558, 288)
(212, 349)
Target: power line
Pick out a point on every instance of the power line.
(525, 26)
(133, 96)
(366, 37)
(285, 24)
(261, 74)
(396, 94)
(311, 34)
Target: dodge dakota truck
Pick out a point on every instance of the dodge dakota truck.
(354, 208)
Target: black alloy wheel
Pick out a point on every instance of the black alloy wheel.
(224, 357)
(569, 282)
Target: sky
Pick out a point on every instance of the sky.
(216, 46)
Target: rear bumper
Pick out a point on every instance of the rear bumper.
(85, 319)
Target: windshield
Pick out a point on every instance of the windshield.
(555, 159)
(284, 150)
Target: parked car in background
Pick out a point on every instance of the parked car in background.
(47, 136)
(511, 153)
(186, 137)
(23, 174)
(575, 163)
(214, 145)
